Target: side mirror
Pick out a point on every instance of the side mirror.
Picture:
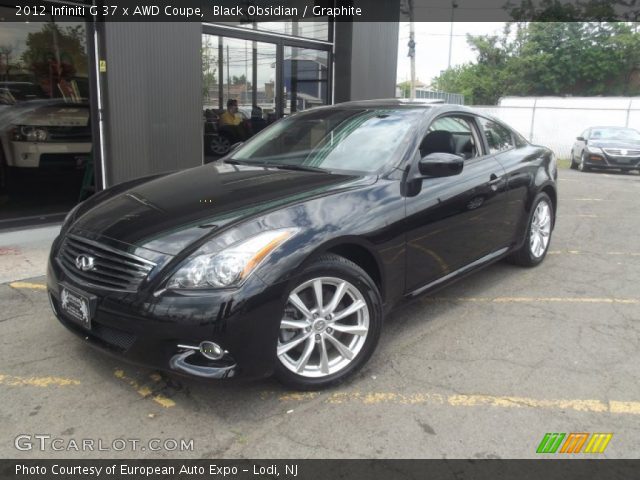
(440, 165)
(235, 146)
(582, 139)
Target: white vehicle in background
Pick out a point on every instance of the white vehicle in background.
(36, 131)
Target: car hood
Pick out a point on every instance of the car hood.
(171, 212)
(45, 113)
(629, 145)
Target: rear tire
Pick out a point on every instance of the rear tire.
(318, 348)
(538, 235)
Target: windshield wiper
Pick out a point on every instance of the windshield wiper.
(282, 166)
(231, 161)
(289, 166)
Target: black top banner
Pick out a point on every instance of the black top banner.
(319, 469)
(250, 11)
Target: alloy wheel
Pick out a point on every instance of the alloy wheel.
(324, 327)
(219, 144)
(540, 229)
(581, 166)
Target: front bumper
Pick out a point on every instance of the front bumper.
(146, 328)
(30, 154)
(609, 162)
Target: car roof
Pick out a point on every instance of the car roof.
(423, 103)
(390, 102)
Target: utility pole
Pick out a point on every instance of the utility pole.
(412, 52)
(454, 5)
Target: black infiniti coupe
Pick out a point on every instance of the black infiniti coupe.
(285, 256)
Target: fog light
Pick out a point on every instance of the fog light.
(595, 158)
(211, 350)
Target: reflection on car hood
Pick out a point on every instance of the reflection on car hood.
(45, 113)
(171, 212)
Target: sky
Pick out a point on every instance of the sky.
(432, 46)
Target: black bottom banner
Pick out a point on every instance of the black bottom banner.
(547, 469)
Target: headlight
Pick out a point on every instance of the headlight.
(231, 266)
(31, 134)
(594, 150)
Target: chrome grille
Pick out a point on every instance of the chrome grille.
(113, 269)
(618, 152)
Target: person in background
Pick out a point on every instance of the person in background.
(231, 116)
(231, 124)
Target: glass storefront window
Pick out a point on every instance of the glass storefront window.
(313, 29)
(305, 78)
(248, 83)
(45, 133)
(243, 71)
(317, 29)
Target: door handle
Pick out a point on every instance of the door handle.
(494, 180)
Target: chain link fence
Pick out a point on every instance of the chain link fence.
(555, 122)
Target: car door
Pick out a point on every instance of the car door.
(454, 221)
(520, 162)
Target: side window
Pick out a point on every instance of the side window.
(450, 134)
(498, 137)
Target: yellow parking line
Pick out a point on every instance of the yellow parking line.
(34, 286)
(625, 301)
(590, 215)
(579, 252)
(375, 398)
(144, 391)
(13, 381)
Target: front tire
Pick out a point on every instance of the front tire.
(330, 325)
(574, 164)
(538, 235)
(582, 166)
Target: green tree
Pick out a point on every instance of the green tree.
(209, 61)
(241, 80)
(549, 58)
(405, 89)
(56, 54)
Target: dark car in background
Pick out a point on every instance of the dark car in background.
(285, 256)
(607, 148)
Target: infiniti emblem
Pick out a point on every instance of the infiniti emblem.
(85, 263)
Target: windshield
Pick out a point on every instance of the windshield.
(333, 139)
(615, 134)
(10, 92)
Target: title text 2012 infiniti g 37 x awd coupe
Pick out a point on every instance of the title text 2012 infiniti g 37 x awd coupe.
(285, 256)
